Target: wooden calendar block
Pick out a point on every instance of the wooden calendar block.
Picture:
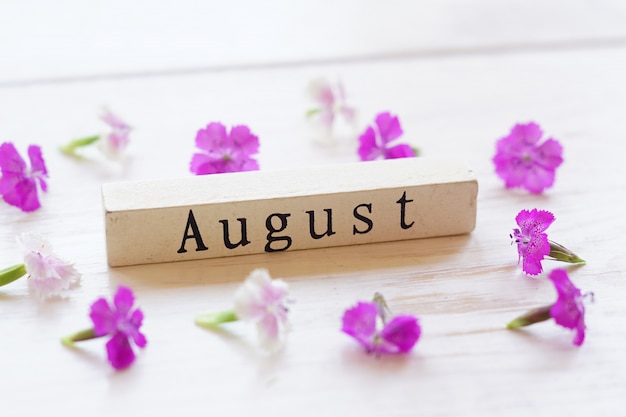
(275, 211)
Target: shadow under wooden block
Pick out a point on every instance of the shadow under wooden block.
(274, 211)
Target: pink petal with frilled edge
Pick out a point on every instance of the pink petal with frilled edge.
(119, 351)
(214, 136)
(360, 323)
(399, 151)
(368, 148)
(10, 160)
(123, 300)
(244, 141)
(388, 127)
(527, 134)
(402, 331)
(103, 317)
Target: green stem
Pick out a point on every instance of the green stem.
(561, 253)
(312, 112)
(533, 316)
(12, 273)
(81, 335)
(70, 148)
(211, 320)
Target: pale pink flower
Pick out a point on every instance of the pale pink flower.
(330, 102)
(263, 301)
(48, 275)
(114, 144)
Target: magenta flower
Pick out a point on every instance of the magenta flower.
(18, 184)
(225, 151)
(568, 310)
(367, 323)
(522, 162)
(330, 102)
(118, 320)
(533, 244)
(375, 141)
(121, 323)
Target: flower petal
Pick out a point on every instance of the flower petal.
(403, 332)
(214, 136)
(10, 160)
(360, 323)
(388, 127)
(123, 300)
(399, 151)
(103, 317)
(119, 351)
(368, 148)
(244, 141)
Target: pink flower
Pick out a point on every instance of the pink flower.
(331, 102)
(120, 322)
(263, 301)
(375, 141)
(225, 151)
(18, 185)
(367, 323)
(532, 242)
(49, 275)
(115, 142)
(521, 162)
(568, 310)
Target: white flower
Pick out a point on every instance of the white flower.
(262, 301)
(48, 274)
(115, 142)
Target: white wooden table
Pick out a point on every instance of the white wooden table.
(459, 74)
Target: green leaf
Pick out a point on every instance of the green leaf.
(70, 148)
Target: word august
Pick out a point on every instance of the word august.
(278, 238)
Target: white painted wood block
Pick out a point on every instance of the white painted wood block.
(273, 211)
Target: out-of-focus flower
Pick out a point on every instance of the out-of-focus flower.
(112, 144)
(118, 320)
(224, 151)
(19, 184)
(376, 140)
(330, 102)
(533, 244)
(261, 301)
(568, 310)
(367, 322)
(48, 275)
(522, 162)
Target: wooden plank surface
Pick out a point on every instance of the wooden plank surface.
(464, 288)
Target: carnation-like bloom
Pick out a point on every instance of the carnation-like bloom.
(533, 244)
(261, 301)
(119, 321)
(368, 323)
(330, 100)
(19, 184)
(224, 151)
(112, 145)
(48, 275)
(568, 310)
(375, 142)
(521, 161)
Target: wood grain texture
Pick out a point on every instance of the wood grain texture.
(464, 288)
